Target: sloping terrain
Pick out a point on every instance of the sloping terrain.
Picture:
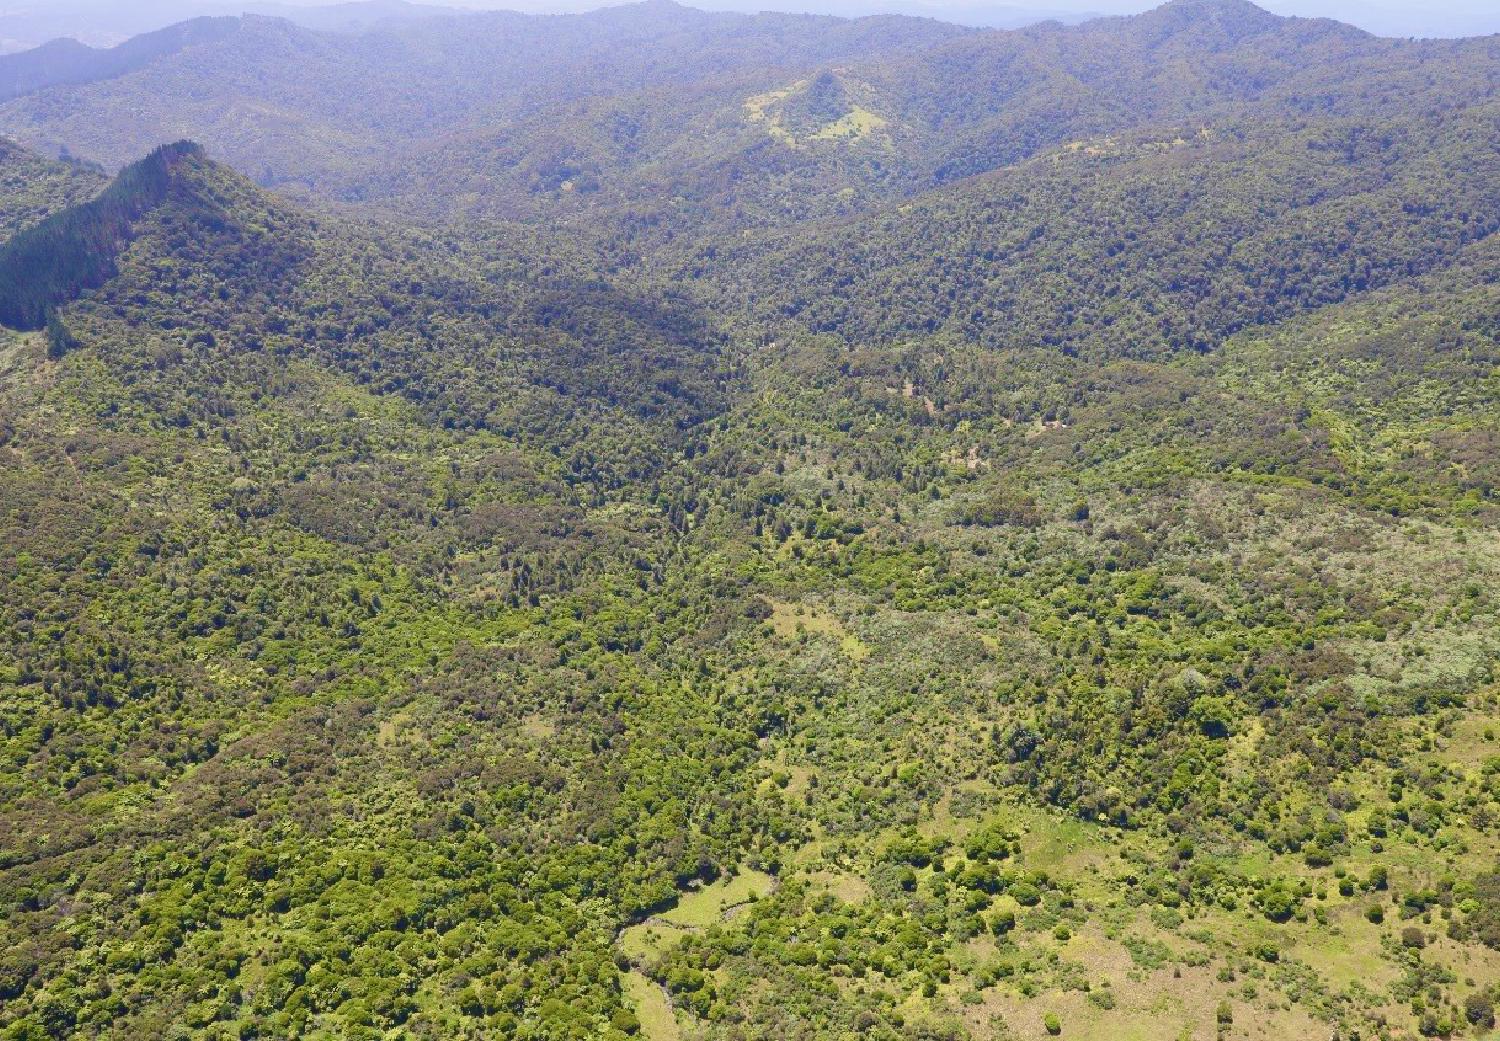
(1142, 244)
(32, 187)
(753, 150)
(1054, 601)
(74, 250)
(351, 97)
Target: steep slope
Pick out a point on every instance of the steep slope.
(755, 150)
(75, 250)
(1140, 245)
(472, 339)
(993, 101)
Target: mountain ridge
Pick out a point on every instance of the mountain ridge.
(929, 117)
(436, 74)
(66, 62)
(75, 250)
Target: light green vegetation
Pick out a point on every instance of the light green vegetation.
(854, 125)
(650, 1005)
(710, 904)
(618, 575)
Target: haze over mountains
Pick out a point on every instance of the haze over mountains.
(657, 524)
(106, 23)
(513, 117)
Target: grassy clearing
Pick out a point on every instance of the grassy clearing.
(538, 728)
(764, 110)
(646, 999)
(789, 621)
(648, 940)
(1475, 742)
(758, 110)
(845, 885)
(707, 906)
(1350, 954)
(396, 730)
(695, 910)
(855, 126)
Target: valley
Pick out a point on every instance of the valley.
(708, 527)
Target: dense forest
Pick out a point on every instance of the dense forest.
(698, 527)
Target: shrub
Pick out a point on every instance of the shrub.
(1278, 902)
(1214, 716)
(1026, 894)
(59, 339)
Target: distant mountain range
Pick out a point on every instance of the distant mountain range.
(105, 23)
(65, 61)
(291, 104)
(960, 12)
(518, 116)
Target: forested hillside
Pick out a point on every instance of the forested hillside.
(840, 139)
(32, 188)
(776, 528)
(1140, 244)
(290, 104)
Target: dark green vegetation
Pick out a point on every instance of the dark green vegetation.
(75, 249)
(1063, 601)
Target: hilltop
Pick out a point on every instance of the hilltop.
(75, 249)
